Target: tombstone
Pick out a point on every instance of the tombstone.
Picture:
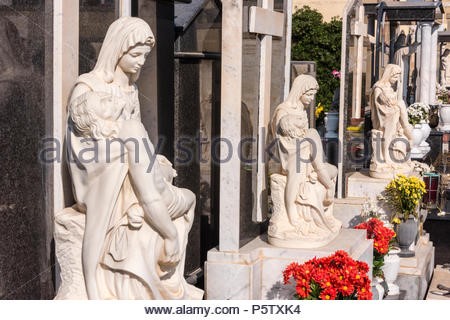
(25, 217)
(384, 22)
(254, 268)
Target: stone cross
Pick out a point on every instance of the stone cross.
(359, 31)
(266, 23)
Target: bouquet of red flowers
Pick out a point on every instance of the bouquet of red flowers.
(382, 237)
(337, 277)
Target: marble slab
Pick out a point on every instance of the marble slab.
(360, 184)
(440, 276)
(415, 273)
(255, 272)
(348, 211)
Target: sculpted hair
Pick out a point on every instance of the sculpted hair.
(85, 122)
(302, 84)
(122, 35)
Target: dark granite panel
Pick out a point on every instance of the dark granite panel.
(186, 121)
(95, 18)
(25, 267)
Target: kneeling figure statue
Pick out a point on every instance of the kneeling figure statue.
(302, 184)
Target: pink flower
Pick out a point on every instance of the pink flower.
(336, 74)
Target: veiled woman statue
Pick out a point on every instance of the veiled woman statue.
(445, 68)
(126, 236)
(302, 184)
(391, 131)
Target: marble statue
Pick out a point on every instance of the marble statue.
(391, 133)
(302, 184)
(445, 68)
(126, 236)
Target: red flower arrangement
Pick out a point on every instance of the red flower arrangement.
(382, 237)
(337, 277)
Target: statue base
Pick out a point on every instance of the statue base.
(306, 243)
(256, 271)
(362, 185)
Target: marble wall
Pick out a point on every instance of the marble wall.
(25, 227)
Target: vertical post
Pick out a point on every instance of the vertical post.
(123, 8)
(425, 66)
(433, 64)
(392, 34)
(417, 72)
(65, 73)
(357, 79)
(230, 125)
(287, 61)
(265, 82)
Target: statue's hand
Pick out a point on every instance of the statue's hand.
(329, 197)
(172, 252)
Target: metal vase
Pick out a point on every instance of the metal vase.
(406, 234)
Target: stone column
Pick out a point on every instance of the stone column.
(425, 65)
(230, 124)
(123, 8)
(433, 64)
(358, 75)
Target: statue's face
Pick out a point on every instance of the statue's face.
(132, 61)
(394, 79)
(308, 97)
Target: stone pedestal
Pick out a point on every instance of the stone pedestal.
(415, 273)
(256, 271)
(441, 275)
(348, 211)
(361, 185)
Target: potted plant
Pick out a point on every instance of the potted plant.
(382, 239)
(403, 195)
(336, 277)
(443, 98)
(418, 114)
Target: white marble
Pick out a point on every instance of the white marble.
(440, 276)
(433, 63)
(302, 184)
(358, 77)
(256, 271)
(348, 210)
(425, 65)
(361, 185)
(128, 230)
(445, 68)
(414, 280)
(266, 23)
(391, 131)
(230, 124)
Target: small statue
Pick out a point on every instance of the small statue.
(302, 184)
(126, 236)
(391, 133)
(445, 68)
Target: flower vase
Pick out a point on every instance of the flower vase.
(444, 117)
(426, 130)
(417, 136)
(406, 235)
(378, 290)
(390, 269)
(331, 124)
